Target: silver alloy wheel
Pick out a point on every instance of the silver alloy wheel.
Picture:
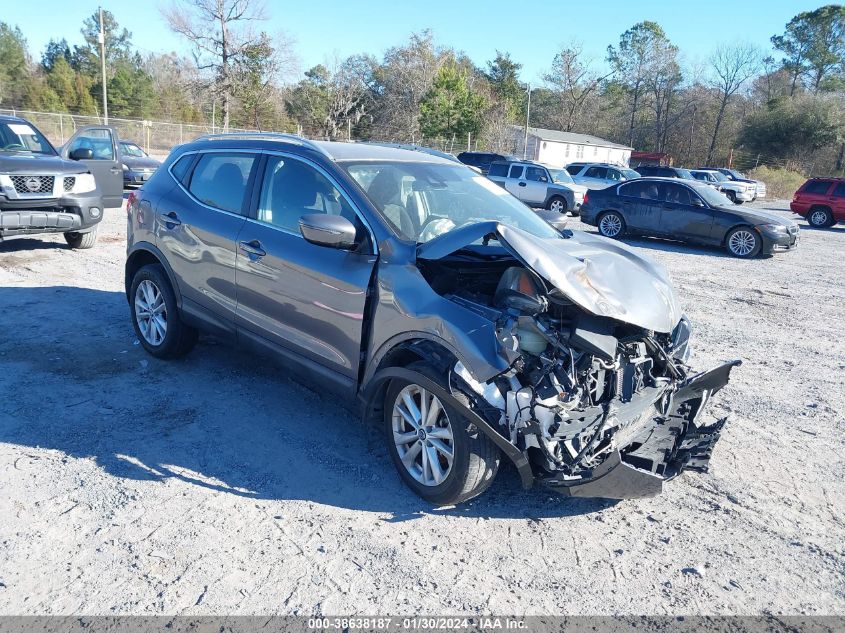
(818, 218)
(423, 435)
(558, 206)
(610, 225)
(742, 242)
(151, 312)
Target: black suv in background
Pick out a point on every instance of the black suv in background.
(664, 172)
(412, 287)
(483, 160)
(42, 193)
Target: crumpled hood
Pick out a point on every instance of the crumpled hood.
(604, 277)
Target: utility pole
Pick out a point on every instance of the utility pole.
(101, 37)
(527, 117)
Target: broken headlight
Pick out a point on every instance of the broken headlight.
(680, 340)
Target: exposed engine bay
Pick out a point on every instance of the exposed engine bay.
(584, 393)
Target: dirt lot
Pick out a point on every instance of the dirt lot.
(217, 485)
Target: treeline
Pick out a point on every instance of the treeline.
(784, 107)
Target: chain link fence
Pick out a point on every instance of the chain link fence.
(156, 137)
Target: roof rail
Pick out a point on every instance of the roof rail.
(270, 136)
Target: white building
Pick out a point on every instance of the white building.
(558, 149)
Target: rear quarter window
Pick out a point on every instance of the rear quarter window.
(816, 187)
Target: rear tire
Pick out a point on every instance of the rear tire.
(820, 218)
(611, 224)
(155, 315)
(743, 242)
(474, 457)
(81, 240)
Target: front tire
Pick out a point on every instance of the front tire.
(820, 218)
(435, 453)
(731, 196)
(81, 240)
(743, 242)
(557, 204)
(612, 225)
(155, 315)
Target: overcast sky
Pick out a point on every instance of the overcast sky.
(530, 31)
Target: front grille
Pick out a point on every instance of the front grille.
(69, 182)
(33, 184)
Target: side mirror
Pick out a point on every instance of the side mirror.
(696, 202)
(322, 229)
(81, 153)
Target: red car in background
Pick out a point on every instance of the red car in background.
(821, 201)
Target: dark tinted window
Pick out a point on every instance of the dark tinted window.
(537, 174)
(291, 189)
(676, 194)
(574, 169)
(839, 192)
(516, 171)
(219, 180)
(647, 190)
(498, 169)
(817, 186)
(596, 172)
(181, 166)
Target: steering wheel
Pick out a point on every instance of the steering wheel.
(14, 146)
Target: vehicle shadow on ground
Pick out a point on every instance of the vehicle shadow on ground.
(73, 379)
(671, 246)
(34, 243)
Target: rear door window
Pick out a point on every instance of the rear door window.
(516, 171)
(643, 190)
(839, 192)
(596, 172)
(220, 179)
(574, 169)
(817, 187)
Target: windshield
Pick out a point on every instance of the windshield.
(130, 149)
(712, 197)
(560, 176)
(22, 137)
(630, 174)
(685, 173)
(423, 200)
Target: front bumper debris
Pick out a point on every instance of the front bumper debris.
(660, 451)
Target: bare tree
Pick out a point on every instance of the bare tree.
(572, 80)
(221, 36)
(732, 67)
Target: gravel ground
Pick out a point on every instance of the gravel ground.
(216, 485)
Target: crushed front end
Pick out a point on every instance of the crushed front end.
(599, 406)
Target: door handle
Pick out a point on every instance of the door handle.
(170, 218)
(522, 184)
(253, 247)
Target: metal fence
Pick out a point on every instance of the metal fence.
(156, 137)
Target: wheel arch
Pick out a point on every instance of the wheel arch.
(740, 225)
(143, 254)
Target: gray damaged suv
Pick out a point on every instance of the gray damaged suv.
(445, 309)
(40, 192)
